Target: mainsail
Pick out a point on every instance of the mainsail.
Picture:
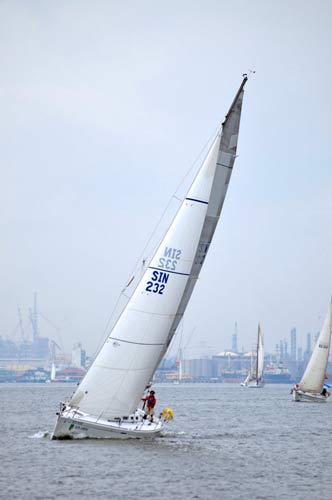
(127, 361)
(314, 375)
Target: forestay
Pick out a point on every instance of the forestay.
(126, 363)
(314, 375)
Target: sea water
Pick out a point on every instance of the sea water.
(225, 442)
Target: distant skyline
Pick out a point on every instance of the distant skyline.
(192, 345)
(105, 107)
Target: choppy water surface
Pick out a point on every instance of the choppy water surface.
(225, 442)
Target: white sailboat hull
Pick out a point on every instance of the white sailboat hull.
(73, 424)
(256, 384)
(309, 397)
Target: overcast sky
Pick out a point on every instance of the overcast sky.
(104, 107)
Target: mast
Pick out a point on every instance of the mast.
(251, 362)
(257, 349)
(180, 365)
(21, 324)
(33, 318)
(237, 95)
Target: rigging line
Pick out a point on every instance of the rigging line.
(180, 332)
(151, 237)
(102, 336)
(175, 337)
(205, 146)
(190, 337)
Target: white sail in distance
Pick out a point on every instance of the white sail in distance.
(314, 375)
(53, 372)
(260, 354)
(114, 384)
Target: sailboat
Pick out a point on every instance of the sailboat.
(179, 363)
(312, 386)
(248, 378)
(53, 372)
(255, 376)
(106, 404)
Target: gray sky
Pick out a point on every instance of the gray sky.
(104, 107)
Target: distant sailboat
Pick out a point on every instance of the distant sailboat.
(53, 372)
(179, 365)
(255, 376)
(106, 403)
(312, 386)
(248, 378)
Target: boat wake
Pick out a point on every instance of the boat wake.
(40, 435)
(171, 434)
(224, 435)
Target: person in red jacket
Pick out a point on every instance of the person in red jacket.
(150, 403)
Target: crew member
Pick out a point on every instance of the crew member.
(150, 403)
(295, 388)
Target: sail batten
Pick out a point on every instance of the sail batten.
(116, 380)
